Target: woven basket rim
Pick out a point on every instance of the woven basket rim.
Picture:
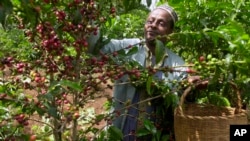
(242, 114)
(191, 123)
(237, 109)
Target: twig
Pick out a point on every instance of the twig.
(41, 122)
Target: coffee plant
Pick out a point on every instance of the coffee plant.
(55, 65)
(218, 35)
(51, 68)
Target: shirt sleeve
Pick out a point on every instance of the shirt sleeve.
(115, 45)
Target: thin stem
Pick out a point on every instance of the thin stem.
(142, 101)
(42, 122)
(74, 136)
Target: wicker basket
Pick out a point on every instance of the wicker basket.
(196, 122)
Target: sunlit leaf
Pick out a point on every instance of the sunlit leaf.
(159, 51)
(149, 84)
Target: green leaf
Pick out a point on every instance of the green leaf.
(16, 2)
(159, 51)
(126, 4)
(142, 132)
(3, 110)
(170, 99)
(77, 17)
(5, 9)
(218, 100)
(53, 112)
(99, 117)
(115, 133)
(148, 85)
(75, 85)
(224, 102)
(101, 136)
(2, 16)
(48, 96)
(54, 90)
(2, 88)
(121, 52)
(171, 1)
(46, 128)
(150, 126)
(165, 138)
(132, 51)
(40, 111)
(149, 2)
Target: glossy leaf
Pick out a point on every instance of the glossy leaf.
(115, 134)
(53, 112)
(149, 84)
(159, 51)
(74, 85)
(142, 132)
(150, 126)
(132, 51)
(5, 9)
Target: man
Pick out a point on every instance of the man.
(160, 23)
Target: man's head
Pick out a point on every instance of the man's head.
(160, 22)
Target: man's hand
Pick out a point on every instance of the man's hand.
(198, 83)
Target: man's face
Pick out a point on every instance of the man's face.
(157, 24)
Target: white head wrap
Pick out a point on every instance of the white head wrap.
(170, 10)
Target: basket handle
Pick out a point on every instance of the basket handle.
(179, 110)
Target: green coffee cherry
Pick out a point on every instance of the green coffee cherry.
(209, 57)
